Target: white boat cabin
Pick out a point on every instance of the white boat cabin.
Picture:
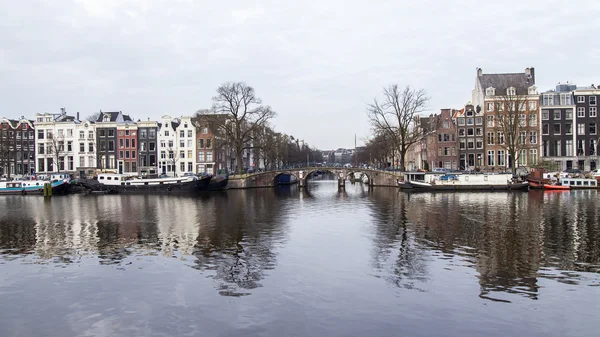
(114, 179)
(460, 179)
(579, 182)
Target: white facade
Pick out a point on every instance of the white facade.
(85, 145)
(56, 147)
(186, 146)
(168, 145)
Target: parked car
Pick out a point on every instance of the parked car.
(164, 175)
(596, 173)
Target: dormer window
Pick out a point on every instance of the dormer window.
(490, 91)
(511, 91)
(532, 90)
(106, 118)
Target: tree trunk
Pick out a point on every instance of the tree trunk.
(238, 159)
(402, 155)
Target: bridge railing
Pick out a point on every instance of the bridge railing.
(306, 168)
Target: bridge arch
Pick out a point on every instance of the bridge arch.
(279, 174)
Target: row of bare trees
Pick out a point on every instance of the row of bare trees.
(394, 120)
(242, 124)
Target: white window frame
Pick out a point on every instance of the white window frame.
(511, 91)
(545, 115)
(580, 129)
(590, 100)
(581, 99)
(593, 111)
(532, 105)
(580, 112)
(533, 137)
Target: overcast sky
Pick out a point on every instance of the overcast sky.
(317, 63)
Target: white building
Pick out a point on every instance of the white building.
(57, 143)
(186, 146)
(168, 145)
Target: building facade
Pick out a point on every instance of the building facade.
(167, 139)
(57, 150)
(147, 146)
(557, 121)
(443, 141)
(470, 136)
(505, 98)
(17, 147)
(586, 127)
(85, 154)
(127, 147)
(186, 147)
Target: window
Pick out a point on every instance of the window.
(511, 106)
(532, 120)
(556, 115)
(170, 144)
(189, 133)
(40, 148)
(470, 132)
(545, 115)
(478, 120)
(133, 154)
(479, 143)
(462, 145)
(490, 158)
(580, 112)
(522, 137)
(522, 106)
(548, 99)
(523, 157)
(81, 135)
(171, 155)
(82, 161)
(126, 132)
(569, 148)
(568, 114)
(163, 144)
(182, 143)
(190, 169)
(182, 134)
(511, 91)
(120, 154)
(469, 121)
(580, 147)
(490, 138)
(81, 147)
(490, 91)
(189, 155)
(127, 153)
(90, 147)
(201, 157)
(205, 130)
(209, 143)
(201, 143)
(565, 99)
(557, 148)
(439, 151)
(209, 156)
(533, 137)
(490, 121)
(446, 151)
(182, 166)
(121, 143)
(152, 135)
(557, 129)
(580, 99)
(166, 133)
(152, 146)
(593, 147)
(461, 132)
(40, 134)
(592, 100)
(453, 151)
(182, 154)
(133, 143)
(470, 144)
(111, 133)
(143, 133)
(500, 157)
(500, 138)
(593, 111)
(127, 143)
(461, 121)
(522, 120)
(532, 105)
(189, 143)
(592, 128)
(568, 128)
(580, 129)
(490, 106)
(163, 155)
(479, 132)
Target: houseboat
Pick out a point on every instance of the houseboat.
(33, 187)
(578, 183)
(218, 183)
(121, 183)
(459, 182)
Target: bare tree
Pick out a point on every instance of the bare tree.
(245, 115)
(396, 117)
(510, 113)
(56, 147)
(93, 117)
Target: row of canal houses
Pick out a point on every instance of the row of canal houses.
(112, 142)
(559, 126)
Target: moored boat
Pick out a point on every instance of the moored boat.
(583, 183)
(550, 187)
(466, 182)
(217, 183)
(32, 187)
(120, 183)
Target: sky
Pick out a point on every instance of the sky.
(316, 63)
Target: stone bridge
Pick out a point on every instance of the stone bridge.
(269, 178)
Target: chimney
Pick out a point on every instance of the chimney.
(531, 72)
(479, 72)
(77, 115)
(62, 111)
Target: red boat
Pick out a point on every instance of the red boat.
(557, 187)
(535, 185)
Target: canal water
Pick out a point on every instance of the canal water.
(286, 262)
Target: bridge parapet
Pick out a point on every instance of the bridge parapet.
(268, 178)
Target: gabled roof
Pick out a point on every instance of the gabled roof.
(114, 115)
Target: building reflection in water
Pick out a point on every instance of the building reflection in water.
(510, 239)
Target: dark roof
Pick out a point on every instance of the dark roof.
(113, 116)
(500, 82)
(174, 125)
(126, 118)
